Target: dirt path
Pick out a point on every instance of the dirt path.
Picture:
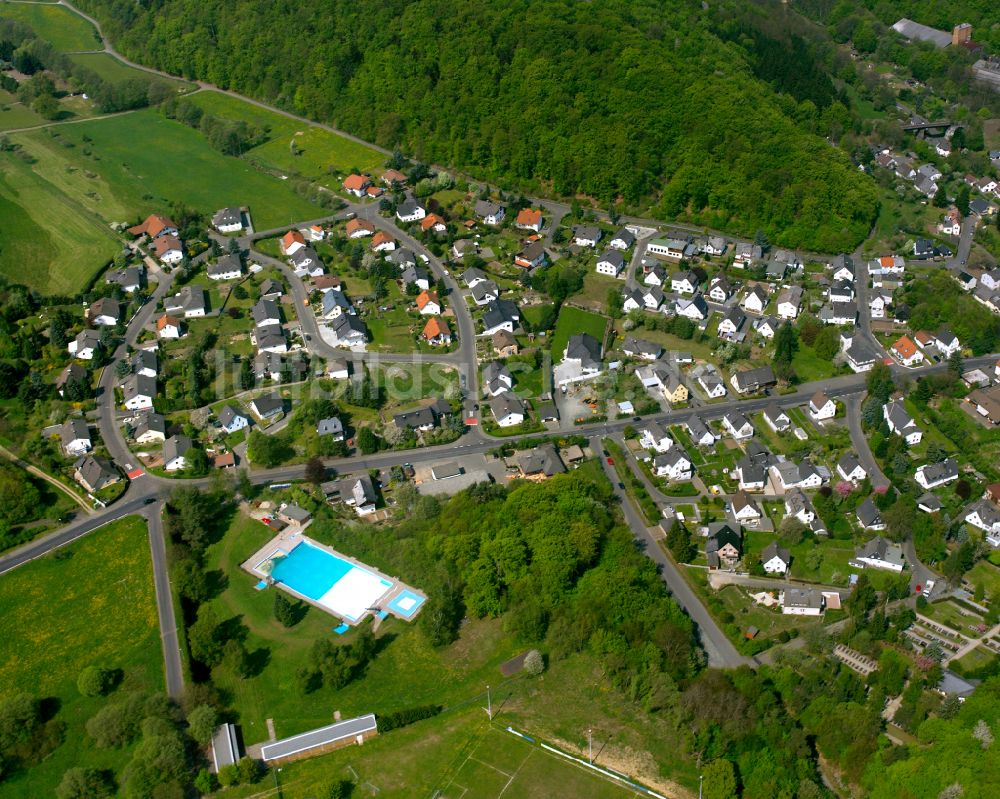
(47, 478)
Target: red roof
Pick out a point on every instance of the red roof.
(356, 182)
(425, 297)
(165, 320)
(381, 238)
(360, 224)
(905, 347)
(152, 226)
(430, 221)
(290, 238)
(166, 243)
(436, 327)
(529, 217)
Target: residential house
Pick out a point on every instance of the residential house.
(586, 235)
(95, 473)
(359, 493)
(504, 344)
(428, 303)
(887, 265)
(737, 425)
(929, 503)
(685, 282)
(529, 219)
(797, 506)
(951, 223)
(540, 463)
(610, 263)
(796, 475)
(766, 327)
(731, 325)
(271, 289)
(776, 418)
(755, 300)
(745, 510)
(751, 470)
(490, 212)
(656, 276)
(357, 184)
(138, 392)
(421, 419)
(674, 390)
(986, 403)
(947, 343)
(293, 514)
(359, 228)
(985, 516)
(150, 428)
(583, 351)
(878, 553)
(850, 469)
(228, 267)
(652, 298)
(868, 515)
(700, 433)
(821, 407)
(432, 223)
(901, 423)
(640, 348)
(306, 262)
(332, 427)
(228, 220)
(719, 289)
(338, 369)
(74, 437)
(168, 249)
(418, 276)
(747, 255)
(190, 302)
(655, 436)
(802, 602)
(74, 373)
(670, 249)
(843, 268)
(410, 210)
(154, 226)
(501, 315)
(267, 312)
(622, 240)
(750, 381)
(105, 312)
(838, 313)
(861, 356)
(932, 475)
(231, 420)
(531, 256)
(497, 379)
(841, 291)
(85, 344)
(673, 465)
(632, 300)
(437, 332)
(508, 410)
(382, 242)
(714, 245)
(723, 547)
(169, 327)
(878, 304)
(175, 452)
(267, 406)
(130, 278)
(710, 381)
(775, 559)
(694, 308)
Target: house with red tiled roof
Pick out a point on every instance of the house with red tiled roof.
(383, 242)
(168, 327)
(391, 176)
(154, 225)
(374, 192)
(428, 303)
(907, 352)
(359, 228)
(168, 248)
(529, 219)
(923, 339)
(433, 222)
(292, 242)
(437, 332)
(356, 184)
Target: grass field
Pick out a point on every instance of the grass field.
(986, 574)
(14, 114)
(114, 71)
(320, 152)
(59, 26)
(85, 176)
(572, 321)
(91, 603)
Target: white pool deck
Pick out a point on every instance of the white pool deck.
(352, 597)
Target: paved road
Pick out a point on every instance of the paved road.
(860, 440)
(721, 653)
(173, 670)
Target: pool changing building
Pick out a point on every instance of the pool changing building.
(320, 741)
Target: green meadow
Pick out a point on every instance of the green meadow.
(59, 26)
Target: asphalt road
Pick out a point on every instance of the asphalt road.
(721, 653)
(173, 670)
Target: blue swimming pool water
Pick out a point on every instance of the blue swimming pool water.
(405, 612)
(309, 570)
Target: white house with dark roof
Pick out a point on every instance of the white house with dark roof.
(85, 344)
(776, 418)
(610, 263)
(507, 409)
(775, 559)
(878, 553)
(232, 420)
(228, 220)
(746, 510)
(901, 423)
(737, 425)
(138, 392)
(932, 475)
(850, 469)
(655, 436)
(674, 465)
(821, 407)
(755, 300)
(228, 267)
(175, 450)
(74, 437)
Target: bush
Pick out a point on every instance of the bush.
(401, 718)
(228, 775)
(85, 783)
(249, 770)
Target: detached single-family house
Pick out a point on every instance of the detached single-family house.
(737, 425)
(947, 343)
(410, 211)
(529, 219)
(932, 475)
(868, 516)
(497, 379)
(154, 226)
(640, 348)
(436, 332)
(684, 282)
(267, 406)
(746, 255)
(755, 300)
(149, 428)
(332, 427)
(907, 352)
(501, 315)
(732, 323)
(655, 436)
(74, 437)
(723, 547)
(802, 602)
(168, 327)
(175, 450)
(673, 465)
(751, 381)
(720, 289)
(508, 410)
(85, 344)
(775, 559)
(901, 423)
(266, 312)
(490, 212)
(586, 235)
(130, 278)
(228, 220)
(138, 392)
(584, 352)
(359, 493)
(428, 303)
(432, 223)
(821, 407)
(622, 240)
(881, 554)
(714, 245)
(359, 228)
(789, 302)
(796, 475)
(232, 420)
(74, 373)
(531, 256)
(694, 308)
(700, 433)
(95, 473)
(228, 267)
(746, 510)
(610, 263)
(850, 469)
(105, 312)
(766, 327)
(861, 356)
(504, 344)
(306, 262)
(190, 302)
(357, 184)
(878, 304)
(776, 418)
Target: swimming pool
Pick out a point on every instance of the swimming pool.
(406, 603)
(344, 588)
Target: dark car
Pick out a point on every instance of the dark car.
(150, 500)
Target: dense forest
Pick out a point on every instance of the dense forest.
(645, 101)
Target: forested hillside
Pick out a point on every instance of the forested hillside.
(637, 99)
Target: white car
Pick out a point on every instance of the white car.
(928, 587)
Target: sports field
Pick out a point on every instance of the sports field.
(59, 26)
(319, 150)
(90, 603)
(75, 180)
(572, 321)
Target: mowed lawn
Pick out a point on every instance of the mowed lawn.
(82, 178)
(15, 114)
(91, 603)
(59, 26)
(114, 71)
(319, 150)
(48, 240)
(572, 321)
